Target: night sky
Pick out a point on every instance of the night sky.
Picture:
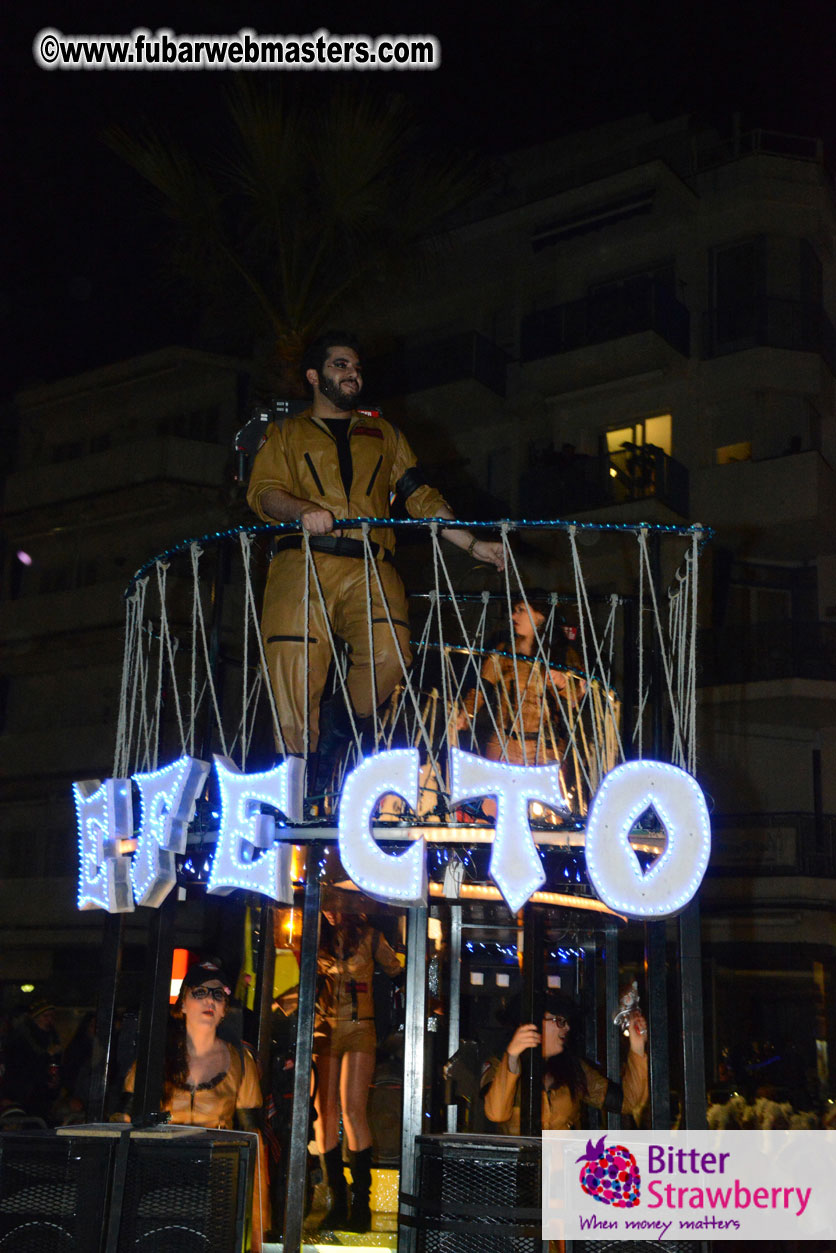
(83, 282)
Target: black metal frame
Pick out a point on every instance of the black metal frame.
(161, 941)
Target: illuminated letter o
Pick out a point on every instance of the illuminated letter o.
(614, 870)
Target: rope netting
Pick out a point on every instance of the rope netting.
(606, 622)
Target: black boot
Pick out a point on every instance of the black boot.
(335, 735)
(361, 1183)
(337, 1217)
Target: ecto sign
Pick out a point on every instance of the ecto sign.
(253, 853)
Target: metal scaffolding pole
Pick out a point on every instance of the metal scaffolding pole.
(111, 964)
(611, 990)
(413, 1061)
(454, 1000)
(154, 1013)
(531, 1073)
(589, 1009)
(690, 991)
(300, 1125)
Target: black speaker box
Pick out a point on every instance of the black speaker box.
(185, 1195)
(54, 1192)
(476, 1194)
(98, 1191)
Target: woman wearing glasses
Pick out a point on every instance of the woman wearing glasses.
(568, 1080)
(208, 1082)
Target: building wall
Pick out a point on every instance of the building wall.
(111, 468)
(740, 236)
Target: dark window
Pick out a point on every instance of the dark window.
(739, 282)
(811, 274)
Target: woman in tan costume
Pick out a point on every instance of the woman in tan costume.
(208, 1082)
(568, 1080)
(344, 1048)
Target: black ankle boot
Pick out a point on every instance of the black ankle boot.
(361, 1184)
(337, 1217)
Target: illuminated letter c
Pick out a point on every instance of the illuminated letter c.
(402, 877)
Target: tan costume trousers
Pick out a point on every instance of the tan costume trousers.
(298, 664)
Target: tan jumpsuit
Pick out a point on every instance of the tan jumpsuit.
(300, 456)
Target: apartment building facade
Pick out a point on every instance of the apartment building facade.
(641, 328)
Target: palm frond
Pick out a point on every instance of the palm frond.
(314, 195)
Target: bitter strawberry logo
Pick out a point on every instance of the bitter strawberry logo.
(610, 1174)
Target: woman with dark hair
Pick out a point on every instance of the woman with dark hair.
(344, 1049)
(528, 721)
(208, 1082)
(568, 1080)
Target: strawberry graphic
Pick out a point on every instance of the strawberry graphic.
(610, 1174)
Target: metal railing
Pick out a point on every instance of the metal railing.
(774, 844)
(770, 322)
(763, 143)
(767, 650)
(562, 484)
(605, 316)
(465, 356)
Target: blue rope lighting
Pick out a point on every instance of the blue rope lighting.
(524, 524)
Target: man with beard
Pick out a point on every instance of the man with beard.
(333, 461)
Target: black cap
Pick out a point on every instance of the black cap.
(207, 971)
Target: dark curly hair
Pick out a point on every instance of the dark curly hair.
(316, 353)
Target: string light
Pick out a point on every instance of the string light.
(104, 816)
(167, 801)
(245, 829)
(401, 878)
(524, 524)
(254, 853)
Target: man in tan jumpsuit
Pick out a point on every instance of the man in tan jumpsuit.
(334, 462)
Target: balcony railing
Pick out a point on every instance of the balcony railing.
(760, 142)
(770, 322)
(767, 650)
(774, 844)
(605, 316)
(466, 356)
(562, 485)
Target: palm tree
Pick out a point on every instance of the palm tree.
(313, 198)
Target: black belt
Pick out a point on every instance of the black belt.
(336, 545)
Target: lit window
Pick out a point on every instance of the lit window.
(655, 431)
